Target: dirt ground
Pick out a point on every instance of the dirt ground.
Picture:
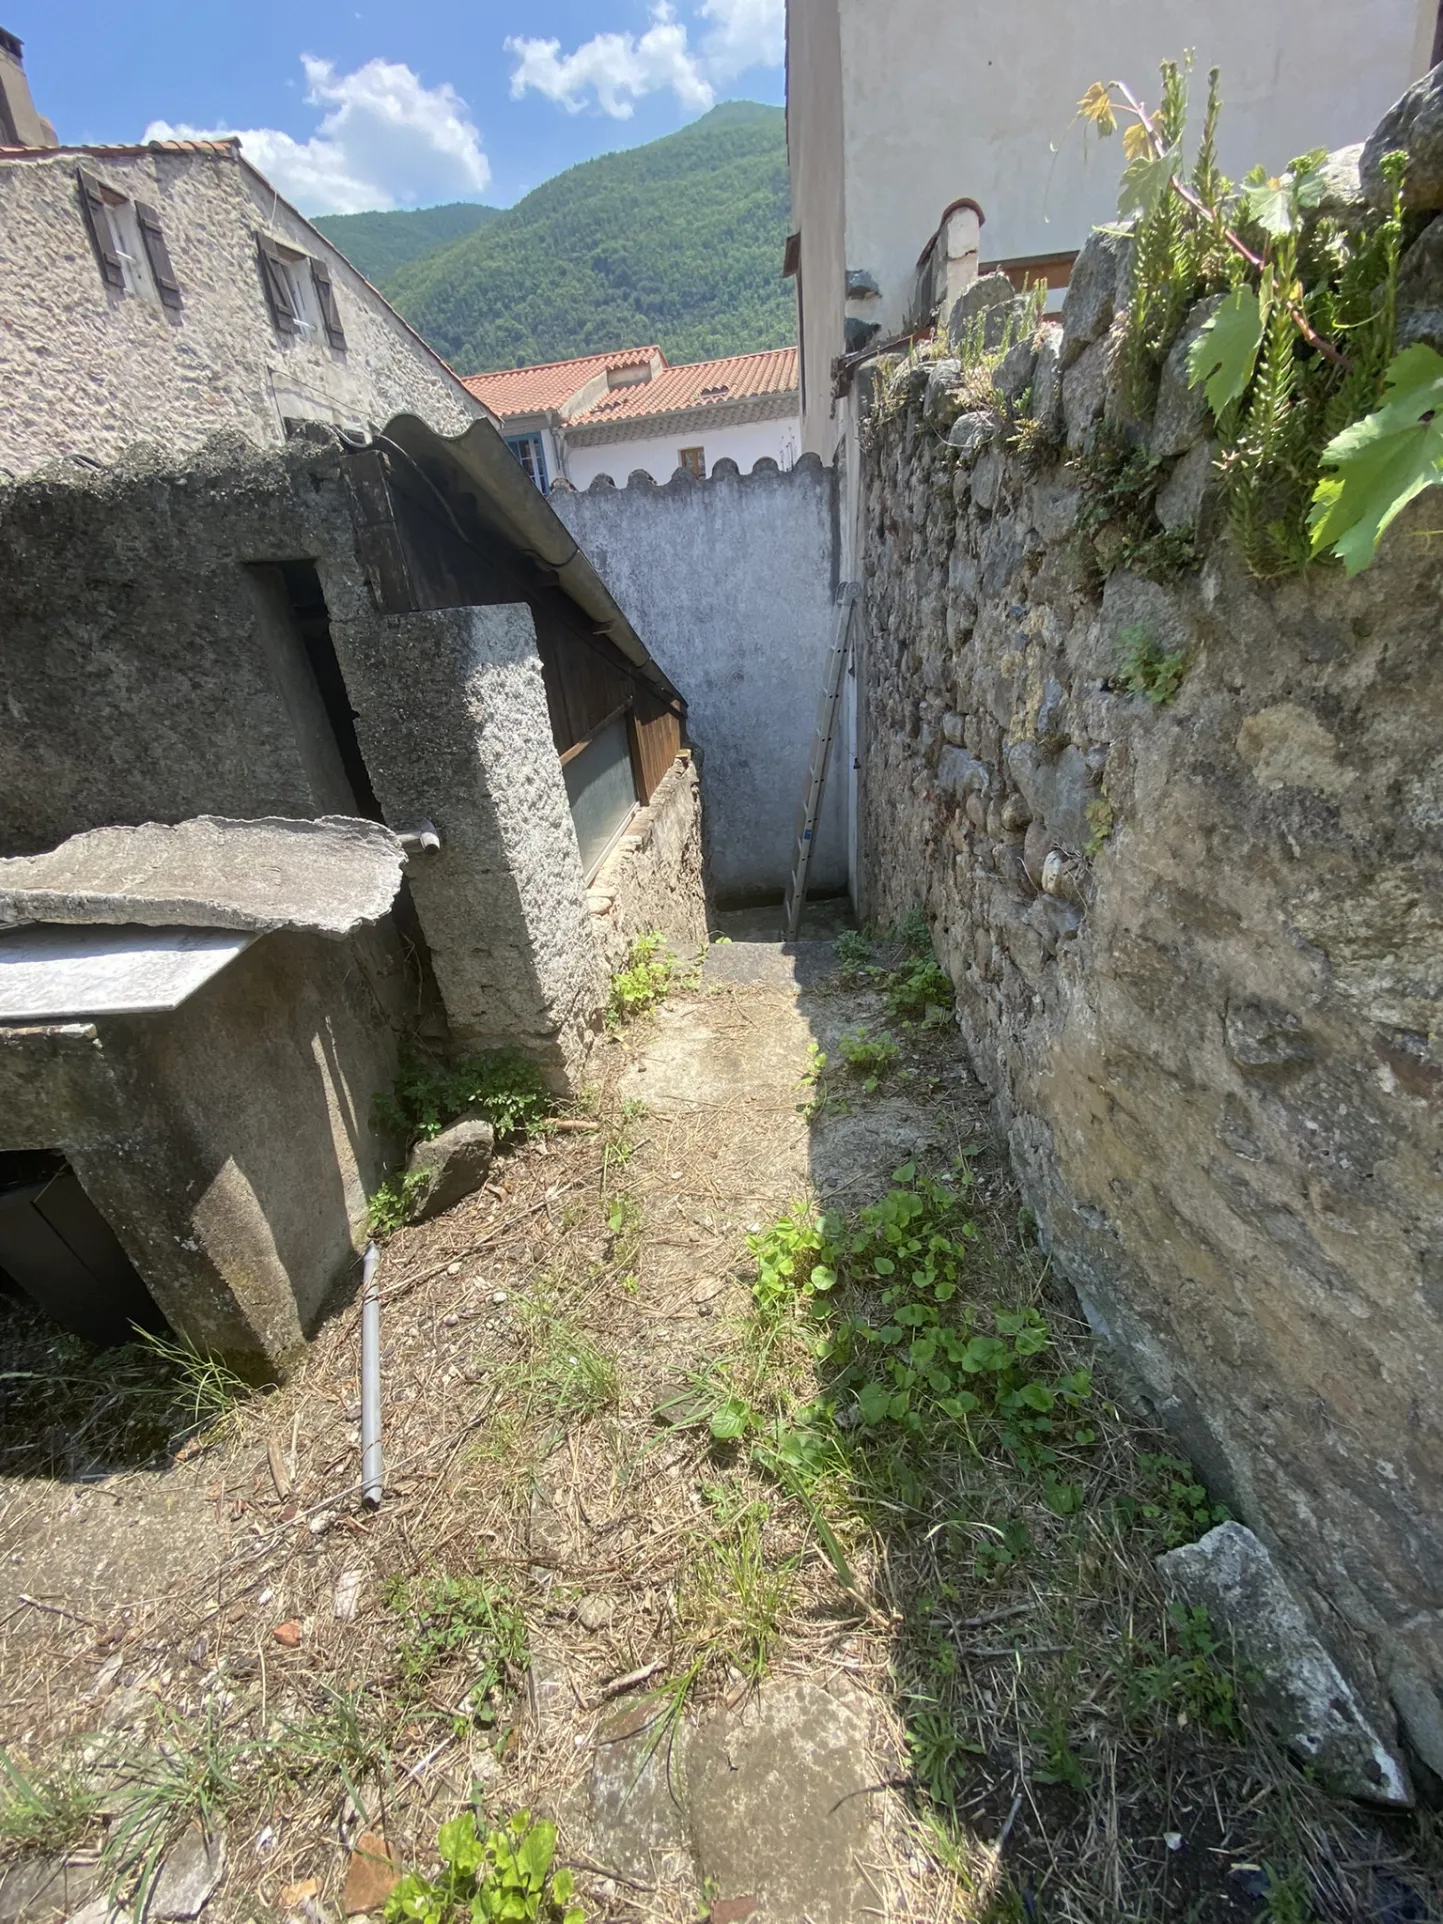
(572, 1599)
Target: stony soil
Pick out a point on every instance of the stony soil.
(708, 1713)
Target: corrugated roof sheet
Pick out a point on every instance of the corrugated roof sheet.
(740, 377)
(532, 390)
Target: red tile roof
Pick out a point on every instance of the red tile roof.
(741, 377)
(534, 390)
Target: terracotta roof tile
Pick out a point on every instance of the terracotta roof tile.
(533, 390)
(740, 377)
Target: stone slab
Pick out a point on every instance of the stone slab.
(329, 875)
(54, 972)
(779, 1804)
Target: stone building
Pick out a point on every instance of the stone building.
(165, 293)
(615, 415)
(274, 592)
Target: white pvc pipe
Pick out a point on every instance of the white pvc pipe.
(370, 1378)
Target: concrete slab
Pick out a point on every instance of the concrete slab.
(329, 875)
(53, 972)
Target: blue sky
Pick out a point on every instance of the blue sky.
(348, 104)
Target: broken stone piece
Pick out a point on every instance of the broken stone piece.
(328, 875)
(1303, 1694)
(288, 1633)
(189, 1875)
(371, 1875)
(42, 1890)
(455, 1163)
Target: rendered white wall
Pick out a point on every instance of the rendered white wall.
(731, 585)
(781, 440)
(939, 102)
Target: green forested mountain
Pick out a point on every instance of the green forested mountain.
(380, 244)
(678, 242)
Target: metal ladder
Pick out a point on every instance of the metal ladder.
(847, 596)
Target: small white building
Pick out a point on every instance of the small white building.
(895, 113)
(616, 414)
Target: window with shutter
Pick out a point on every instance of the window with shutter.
(93, 206)
(158, 254)
(276, 283)
(326, 299)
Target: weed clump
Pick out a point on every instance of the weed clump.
(445, 1620)
(643, 982)
(505, 1874)
(50, 1811)
(1147, 669)
(428, 1096)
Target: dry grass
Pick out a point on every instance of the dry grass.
(1041, 1728)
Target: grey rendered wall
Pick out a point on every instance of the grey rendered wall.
(730, 583)
(229, 1143)
(146, 675)
(460, 734)
(180, 690)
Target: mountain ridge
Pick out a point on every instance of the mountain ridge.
(677, 241)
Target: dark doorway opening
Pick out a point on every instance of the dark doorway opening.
(57, 1250)
(313, 624)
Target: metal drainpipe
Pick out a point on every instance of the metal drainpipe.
(370, 1379)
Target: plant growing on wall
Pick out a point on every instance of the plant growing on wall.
(1297, 355)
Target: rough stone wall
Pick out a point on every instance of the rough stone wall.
(730, 583)
(1213, 1033)
(652, 879)
(217, 362)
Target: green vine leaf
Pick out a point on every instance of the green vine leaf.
(1226, 351)
(1381, 462)
(1144, 182)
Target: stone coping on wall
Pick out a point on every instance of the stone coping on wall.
(724, 471)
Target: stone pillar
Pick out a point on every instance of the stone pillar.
(454, 727)
(958, 246)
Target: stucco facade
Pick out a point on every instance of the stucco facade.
(895, 112)
(91, 368)
(731, 583)
(659, 454)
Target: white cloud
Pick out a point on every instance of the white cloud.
(618, 67)
(384, 141)
(745, 33)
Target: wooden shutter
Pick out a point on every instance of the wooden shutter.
(326, 296)
(273, 280)
(158, 254)
(92, 203)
